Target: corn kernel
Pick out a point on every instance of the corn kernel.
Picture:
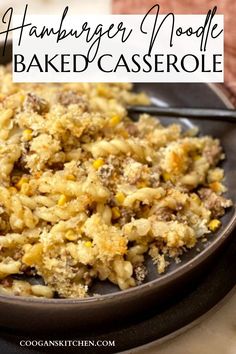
(88, 244)
(119, 197)
(115, 120)
(27, 135)
(115, 213)
(98, 163)
(21, 182)
(141, 184)
(71, 178)
(71, 235)
(196, 157)
(214, 225)
(166, 176)
(62, 200)
(102, 90)
(196, 199)
(21, 97)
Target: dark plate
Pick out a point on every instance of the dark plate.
(58, 314)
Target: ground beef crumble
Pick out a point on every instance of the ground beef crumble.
(214, 202)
